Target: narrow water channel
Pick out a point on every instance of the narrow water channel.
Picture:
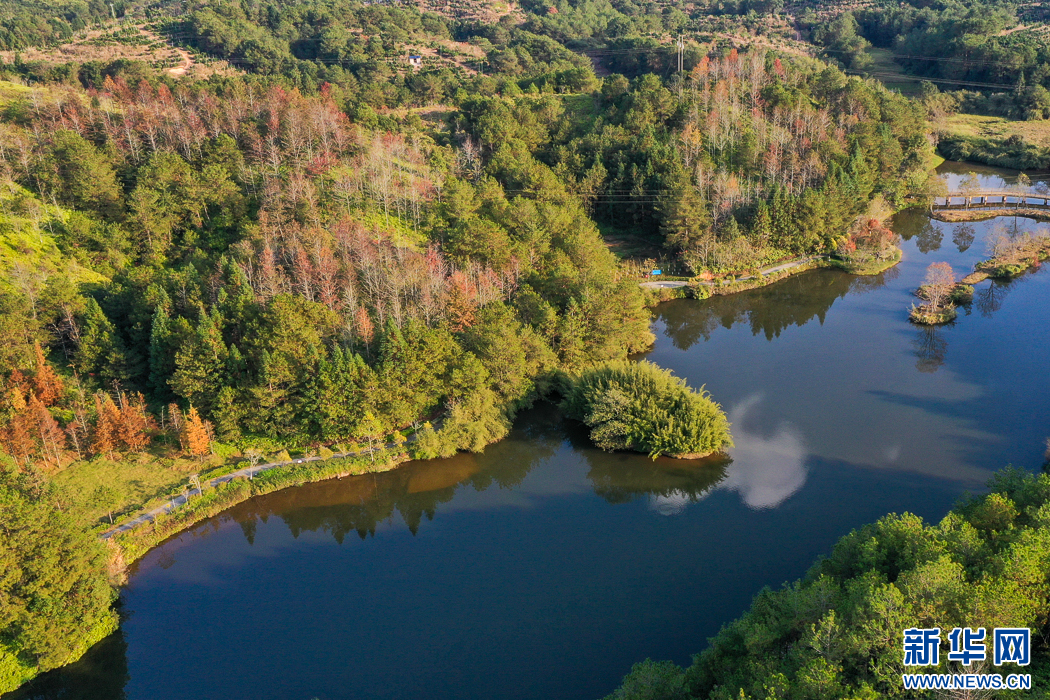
(543, 567)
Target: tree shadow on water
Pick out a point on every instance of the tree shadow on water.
(100, 674)
(931, 349)
(670, 484)
(414, 490)
(767, 310)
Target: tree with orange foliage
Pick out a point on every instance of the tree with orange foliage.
(18, 442)
(460, 302)
(47, 385)
(52, 439)
(107, 425)
(135, 423)
(19, 381)
(196, 435)
(363, 325)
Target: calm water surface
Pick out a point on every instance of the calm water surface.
(544, 568)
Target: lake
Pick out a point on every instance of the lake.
(543, 567)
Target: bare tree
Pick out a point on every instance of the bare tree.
(938, 284)
(254, 455)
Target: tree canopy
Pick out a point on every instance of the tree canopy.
(54, 595)
(837, 633)
(640, 406)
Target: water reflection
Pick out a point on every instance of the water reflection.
(768, 310)
(928, 238)
(931, 349)
(767, 468)
(989, 298)
(987, 176)
(415, 491)
(962, 236)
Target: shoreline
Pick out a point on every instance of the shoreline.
(129, 541)
(134, 539)
(960, 215)
(666, 291)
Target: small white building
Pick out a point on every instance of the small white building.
(415, 61)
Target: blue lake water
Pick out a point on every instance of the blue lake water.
(543, 567)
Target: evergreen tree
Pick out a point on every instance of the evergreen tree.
(200, 365)
(761, 224)
(99, 351)
(56, 600)
(161, 354)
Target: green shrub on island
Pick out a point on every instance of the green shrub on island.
(926, 316)
(838, 632)
(639, 406)
(962, 294)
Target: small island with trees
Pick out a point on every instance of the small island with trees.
(642, 407)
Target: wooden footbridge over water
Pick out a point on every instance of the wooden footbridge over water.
(991, 200)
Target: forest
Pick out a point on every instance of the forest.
(323, 246)
(837, 632)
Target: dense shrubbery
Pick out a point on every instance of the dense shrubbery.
(1012, 152)
(639, 406)
(54, 596)
(838, 632)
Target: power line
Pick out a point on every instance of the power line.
(947, 59)
(947, 81)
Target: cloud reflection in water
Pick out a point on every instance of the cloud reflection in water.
(766, 470)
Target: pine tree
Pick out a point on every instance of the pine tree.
(161, 354)
(200, 365)
(107, 425)
(46, 428)
(47, 385)
(196, 435)
(18, 442)
(98, 340)
(761, 225)
(135, 423)
(227, 414)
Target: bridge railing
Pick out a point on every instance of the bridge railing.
(979, 200)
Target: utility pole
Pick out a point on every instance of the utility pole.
(681, 66)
